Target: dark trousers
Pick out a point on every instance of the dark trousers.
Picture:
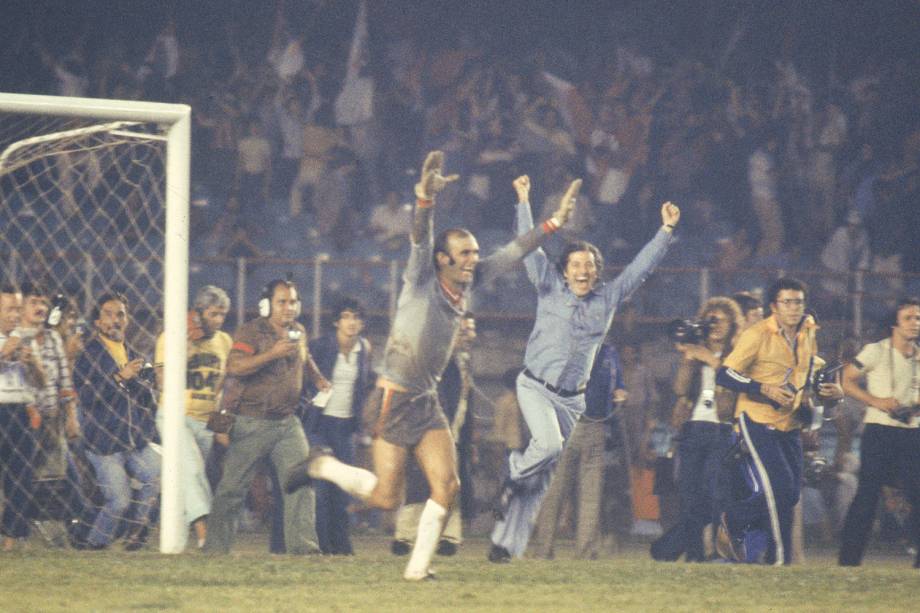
(775, 467)
(700, 452)
(888, 456)
(332, 519)
(17, 457)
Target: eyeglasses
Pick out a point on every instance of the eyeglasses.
(788, 302)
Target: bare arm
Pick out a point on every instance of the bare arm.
(852, 388)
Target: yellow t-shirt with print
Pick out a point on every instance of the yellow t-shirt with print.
(207, 362)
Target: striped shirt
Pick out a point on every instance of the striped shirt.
(58, 382)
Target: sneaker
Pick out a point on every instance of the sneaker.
(499, 555)
(446, 548)
(400, 547)
(503, 500)
(728, 546)
(299, 475)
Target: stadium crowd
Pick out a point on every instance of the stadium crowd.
(306, 137)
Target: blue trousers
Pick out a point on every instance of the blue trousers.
(700, 450)
(17, 456)
(775, 468)
(113, 474)
(550, 419)
(332, 520)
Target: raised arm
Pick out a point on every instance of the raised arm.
(528, 241)
(648, 258)
(430, 183)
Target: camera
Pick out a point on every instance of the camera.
(147, 374)
(690, 332)
(815, 469)
(294, 334)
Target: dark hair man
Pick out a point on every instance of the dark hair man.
(769, 368)
(574, 313)
(117, 412)
(21, 380)
(438, 279)
(890, 444)
(344, 358)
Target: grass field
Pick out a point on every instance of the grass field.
(39, 579)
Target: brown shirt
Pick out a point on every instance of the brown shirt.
(272, 392)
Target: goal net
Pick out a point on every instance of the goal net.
(86, 194)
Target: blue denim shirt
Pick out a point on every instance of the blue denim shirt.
(568, 330)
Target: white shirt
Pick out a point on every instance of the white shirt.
(344, 375)
(702, 412)
(14, 387)
(890, 375)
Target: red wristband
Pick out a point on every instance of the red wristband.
(424, 204)
(550, 226)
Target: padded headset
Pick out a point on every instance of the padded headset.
(265, 298)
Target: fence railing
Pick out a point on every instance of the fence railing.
(846, 305)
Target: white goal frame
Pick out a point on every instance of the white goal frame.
(176, 118)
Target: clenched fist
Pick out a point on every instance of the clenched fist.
(522, 187)
(670, 214)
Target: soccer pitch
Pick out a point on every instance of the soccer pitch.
(40, 579)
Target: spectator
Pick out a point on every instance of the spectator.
(265, 372)
(21, 380)
(390, 221)
(344, 358)
(207, 352)
(117, 417)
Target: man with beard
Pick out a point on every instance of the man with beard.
(118, 425)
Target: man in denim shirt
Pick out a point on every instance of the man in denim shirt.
(574, 313)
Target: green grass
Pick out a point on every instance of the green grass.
(39, 579)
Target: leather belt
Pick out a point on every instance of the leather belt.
(558, 391)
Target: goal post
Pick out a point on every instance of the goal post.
(174, 121)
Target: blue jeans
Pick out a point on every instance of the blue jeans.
(113, 474)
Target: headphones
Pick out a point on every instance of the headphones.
(265, 298)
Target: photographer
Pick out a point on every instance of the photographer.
(117, 417)
(890, 444)
(702, 416)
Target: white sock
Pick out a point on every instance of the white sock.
(430, 525)
(357, 482)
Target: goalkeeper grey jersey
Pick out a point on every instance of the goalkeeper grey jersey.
(426, 324)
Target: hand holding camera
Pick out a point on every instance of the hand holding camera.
(132, 369)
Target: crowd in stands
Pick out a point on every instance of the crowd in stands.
(301, 146)
(296, 137)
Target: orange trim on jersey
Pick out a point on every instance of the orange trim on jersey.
(244, 347)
